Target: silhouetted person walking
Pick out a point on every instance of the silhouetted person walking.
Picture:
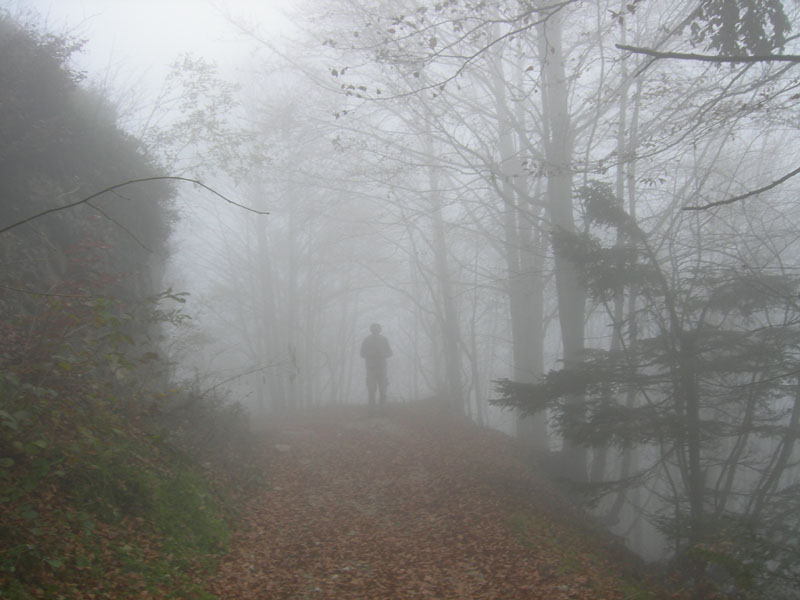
(375, 350)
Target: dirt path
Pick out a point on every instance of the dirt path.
(413, 505)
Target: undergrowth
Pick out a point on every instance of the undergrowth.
(105, 488)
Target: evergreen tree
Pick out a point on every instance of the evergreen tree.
(715, 372)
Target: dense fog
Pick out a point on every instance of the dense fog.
(575, 222)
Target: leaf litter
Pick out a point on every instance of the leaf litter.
(417, 504)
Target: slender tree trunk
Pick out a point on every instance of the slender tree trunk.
(630, 458)
(600, 454)
(451, 345)
(271, 386)
(292, 298)
(525, 287)
(558, 156)
(694, 477)
(772, 477)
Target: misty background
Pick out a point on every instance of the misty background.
(540, 210)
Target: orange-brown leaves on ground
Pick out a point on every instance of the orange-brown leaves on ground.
(414, 505)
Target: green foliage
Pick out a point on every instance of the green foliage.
(98, 497)
(113, 480)
(78, 461)
(98, 447)
(188, 512)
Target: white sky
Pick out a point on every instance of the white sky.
(136, 40)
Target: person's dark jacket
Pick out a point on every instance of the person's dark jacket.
(375, 350)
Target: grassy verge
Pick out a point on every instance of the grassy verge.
(94, 506)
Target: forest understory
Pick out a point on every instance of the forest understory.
(412, 504)
(584, 211)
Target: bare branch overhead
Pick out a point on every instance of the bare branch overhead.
(129, 182)
(715, 58)
(769, 186)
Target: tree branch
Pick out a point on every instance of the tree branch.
(792, 58)
(235, 377)
(119, 185)
(47, 294)
(120, 225)
(775, 183)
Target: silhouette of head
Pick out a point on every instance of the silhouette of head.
(375, 328)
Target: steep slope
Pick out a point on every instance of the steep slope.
(416, 504)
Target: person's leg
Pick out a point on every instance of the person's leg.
(383, 383)
(372, 386)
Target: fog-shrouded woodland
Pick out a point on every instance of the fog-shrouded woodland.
(576, 222)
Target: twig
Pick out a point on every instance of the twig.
(240, 375)
(775, 183)
(119, 185)
(120, 225)
(792, 58)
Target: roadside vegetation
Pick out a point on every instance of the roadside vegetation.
(116, 479)
(107, 491)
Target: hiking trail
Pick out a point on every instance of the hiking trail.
(416, 504)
